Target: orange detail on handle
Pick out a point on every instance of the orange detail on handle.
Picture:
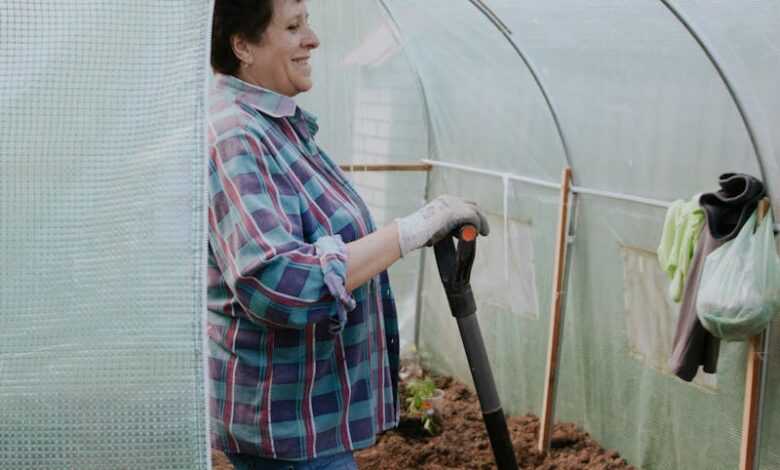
(468, 233)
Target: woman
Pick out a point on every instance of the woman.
(302, 323)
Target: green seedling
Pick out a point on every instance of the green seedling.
(422, 393)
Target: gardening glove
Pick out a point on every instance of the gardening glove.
(436, 220)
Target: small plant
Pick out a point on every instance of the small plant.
(420, 403)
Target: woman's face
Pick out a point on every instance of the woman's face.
(280, 61)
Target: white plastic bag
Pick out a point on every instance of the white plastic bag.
(739, 292)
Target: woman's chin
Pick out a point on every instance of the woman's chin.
(304, 85)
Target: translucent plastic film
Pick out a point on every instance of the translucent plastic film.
(371, 110)
(102, 234)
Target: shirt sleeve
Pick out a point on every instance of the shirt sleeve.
(256, 238)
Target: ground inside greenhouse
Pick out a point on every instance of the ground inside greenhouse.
(463, 442)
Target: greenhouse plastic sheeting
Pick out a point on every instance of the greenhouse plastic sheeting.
(641, 111)
(370, 107)
(102, 234)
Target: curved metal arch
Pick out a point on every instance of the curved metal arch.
(501, 26)
(396, 30)
(732, 89)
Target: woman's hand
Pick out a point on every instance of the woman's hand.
(374, 253)
(436, 220)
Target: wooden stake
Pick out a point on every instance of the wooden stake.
(423, 167)
(553, 347)
(753, 386)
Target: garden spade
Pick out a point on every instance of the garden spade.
(455, 272)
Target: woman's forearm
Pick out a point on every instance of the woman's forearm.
(371, 255)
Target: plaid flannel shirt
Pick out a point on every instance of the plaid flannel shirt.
(299, 368)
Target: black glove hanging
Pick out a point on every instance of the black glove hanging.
(729, 208)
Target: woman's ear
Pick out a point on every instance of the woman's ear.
(241, 49)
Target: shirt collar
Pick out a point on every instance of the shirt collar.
(267, 101)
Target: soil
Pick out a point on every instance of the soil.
(463, 442)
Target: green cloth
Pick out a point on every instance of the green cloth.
(683, 224)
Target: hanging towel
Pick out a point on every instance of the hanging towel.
(726, 211)
(693, 346)
(682, 227)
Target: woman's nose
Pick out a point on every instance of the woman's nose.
(311, 41)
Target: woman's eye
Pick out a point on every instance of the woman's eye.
(294, 27)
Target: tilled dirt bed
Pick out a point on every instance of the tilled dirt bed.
(463, 442)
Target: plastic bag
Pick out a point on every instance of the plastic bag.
(739, 292)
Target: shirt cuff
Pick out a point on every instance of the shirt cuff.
(332, 252)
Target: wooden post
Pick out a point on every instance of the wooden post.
(422, 167)
(753, 387)
(553, 347)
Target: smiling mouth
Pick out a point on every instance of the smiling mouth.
(301, 61)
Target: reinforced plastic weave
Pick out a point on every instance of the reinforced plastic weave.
(102, 234)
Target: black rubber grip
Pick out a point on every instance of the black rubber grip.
(462, 302)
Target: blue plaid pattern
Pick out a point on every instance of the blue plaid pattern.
(299, 367)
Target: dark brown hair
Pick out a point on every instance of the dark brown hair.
(247, 18)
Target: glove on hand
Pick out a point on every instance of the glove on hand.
(436, 220)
